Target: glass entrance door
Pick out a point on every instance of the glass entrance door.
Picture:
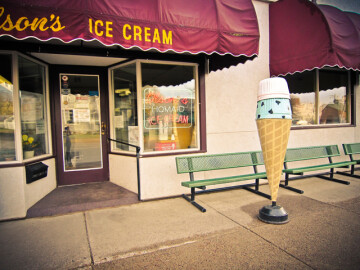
(81, 122)
(82, 155)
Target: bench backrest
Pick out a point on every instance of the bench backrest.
(312, 152)
(351, 148)
(218, 161)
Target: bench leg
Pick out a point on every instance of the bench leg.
(292, 189)
(256, 190)
(349, 174)
(333, 179)
(352, 172)
(192, 200)
(286, 186)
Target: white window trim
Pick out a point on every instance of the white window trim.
(140, 104)
(17, 111)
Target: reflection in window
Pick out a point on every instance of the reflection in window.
(322, 104)
(7, 121)
(169, 107)
(125, 119)
(32, 108)
(332, 97)
(80, 117)
(302, 94)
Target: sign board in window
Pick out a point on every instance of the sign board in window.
(167, 110)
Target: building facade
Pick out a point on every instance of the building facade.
(80, 108)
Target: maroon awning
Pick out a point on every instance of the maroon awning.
(194, 26)
(304, 36)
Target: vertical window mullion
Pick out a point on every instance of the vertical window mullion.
(348, 99)
(47, 121)
(317, 103)
(197, 106)
(17, 118)
(111, 106)
(140, 105)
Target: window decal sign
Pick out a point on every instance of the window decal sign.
(167, 112)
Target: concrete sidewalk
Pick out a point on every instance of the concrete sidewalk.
(323, 233)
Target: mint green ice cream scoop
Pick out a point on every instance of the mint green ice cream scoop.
(274, 108)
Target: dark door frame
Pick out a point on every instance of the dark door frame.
(99, 175)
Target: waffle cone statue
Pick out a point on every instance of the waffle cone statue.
(273, 120)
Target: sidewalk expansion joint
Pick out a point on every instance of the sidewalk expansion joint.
(88, 239)
(139, 253)
(258, 235)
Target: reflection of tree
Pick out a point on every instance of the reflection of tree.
(333, 105)
(303, 113)
(6, 102)
(329, 115)
(333, 113)
(6, 108)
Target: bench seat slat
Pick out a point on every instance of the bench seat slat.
(223, 180)
(320, 167)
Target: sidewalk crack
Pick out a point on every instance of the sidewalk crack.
(88, 239)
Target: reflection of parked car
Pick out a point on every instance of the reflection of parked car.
(9, 123)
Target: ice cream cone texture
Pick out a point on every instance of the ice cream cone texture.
(273, 119)
(274, 135)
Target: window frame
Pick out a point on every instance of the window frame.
(17, 110)
(140, 106)
(350, 101)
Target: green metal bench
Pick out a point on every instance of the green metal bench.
(202, 163)
(309, 153)
(352, 149)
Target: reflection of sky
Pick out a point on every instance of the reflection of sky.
(304, 97)
(185, 90)
(326, 96)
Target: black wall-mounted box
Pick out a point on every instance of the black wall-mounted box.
(35, 172)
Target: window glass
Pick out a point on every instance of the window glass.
(332, 97)
(302, 93)
(32, 108)
(125, 120)
(326, 103)
(169, 107)
(80, 117)
(7, 121)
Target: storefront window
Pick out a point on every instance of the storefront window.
(169, 103)
(333, 97)
(7, 120)
(320, 97)
(125, 119)
(32, 108)
(157, 112)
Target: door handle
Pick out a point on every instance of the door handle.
(103, 128)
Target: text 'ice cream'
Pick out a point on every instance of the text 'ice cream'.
(273, 119)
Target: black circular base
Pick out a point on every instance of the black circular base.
(273, 214)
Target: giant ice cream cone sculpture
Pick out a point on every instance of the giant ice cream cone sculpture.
(273, 119)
